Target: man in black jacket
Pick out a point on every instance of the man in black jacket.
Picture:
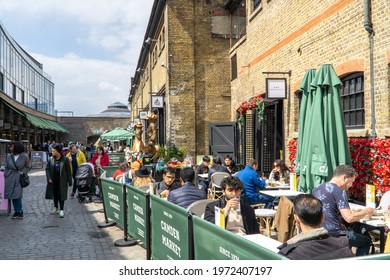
(239, 216)
(314, 242)
(187, 193)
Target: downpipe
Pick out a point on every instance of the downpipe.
(370, 30)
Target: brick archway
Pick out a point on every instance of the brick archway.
(346, 68)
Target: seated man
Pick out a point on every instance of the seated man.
(333, 196)
(203, 168)
(167, 184)
(314, 242)
(188, 193)
(252, 184)
(239, 217)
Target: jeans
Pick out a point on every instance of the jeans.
(360, 241)
(18, 207)
(263, 199)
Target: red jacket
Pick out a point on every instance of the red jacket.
(103, 160)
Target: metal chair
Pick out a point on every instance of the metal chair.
(198, 207)
(215, 190)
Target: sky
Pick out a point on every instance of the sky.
(90, 48)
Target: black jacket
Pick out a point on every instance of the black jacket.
(316, 244)
(247, 212)
(185, 195)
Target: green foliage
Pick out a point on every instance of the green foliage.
(167, 153)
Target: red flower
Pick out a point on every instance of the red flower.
(371, 160)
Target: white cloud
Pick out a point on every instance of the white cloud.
(87, 85)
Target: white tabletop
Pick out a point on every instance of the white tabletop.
(280, 193)
(203, 175)
(264, 241)
(281, 187)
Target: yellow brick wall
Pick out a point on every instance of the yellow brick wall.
(297, 35)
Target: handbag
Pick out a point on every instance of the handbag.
(24, 179)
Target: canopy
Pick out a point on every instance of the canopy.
(118, 134)
(325, 144)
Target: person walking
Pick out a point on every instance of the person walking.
(16, 162)
(76, 159)
(59, 177)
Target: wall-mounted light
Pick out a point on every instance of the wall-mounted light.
(140, 69)
(149, 40)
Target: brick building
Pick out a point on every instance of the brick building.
(184, 67)
(285, 38)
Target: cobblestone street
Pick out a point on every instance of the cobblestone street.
(42, 236)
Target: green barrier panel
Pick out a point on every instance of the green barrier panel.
(374, 257)
(169, 225)
(115, 159)
(113, 200)
(137, 213)
(110, 170)
(214, 243)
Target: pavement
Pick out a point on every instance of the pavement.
(42, 236)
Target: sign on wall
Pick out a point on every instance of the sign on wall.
(276, 88)
(157, 101)
(143, 115)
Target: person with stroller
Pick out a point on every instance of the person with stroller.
(59, 177)
(76, 159)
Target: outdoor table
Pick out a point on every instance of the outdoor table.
(375, 222)
(204, 176)
(264, 241)
(274, 188)
(280, 193)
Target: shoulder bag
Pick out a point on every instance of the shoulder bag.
(24, 179)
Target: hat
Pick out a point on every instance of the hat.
(58, 148)
(135, 165)
(142, 172)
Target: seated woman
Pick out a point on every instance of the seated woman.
(120, 172)
(143, 177)
(280, 173)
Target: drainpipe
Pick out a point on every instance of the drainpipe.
(370, 30)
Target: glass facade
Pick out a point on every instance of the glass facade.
(23, 78)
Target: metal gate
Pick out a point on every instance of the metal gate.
(268, 138)
(222, 139)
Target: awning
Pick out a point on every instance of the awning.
(45, 123)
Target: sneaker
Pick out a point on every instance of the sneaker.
(55, 212)
(15, 215)
(20, 215)
(62, 214)
(72, 195)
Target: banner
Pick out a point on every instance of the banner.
(213, 243)
(169, 225)
(136, 213)
(113, 200)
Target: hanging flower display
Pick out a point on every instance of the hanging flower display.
(371, 160)
(255, 102)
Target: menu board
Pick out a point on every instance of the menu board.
(370, 196)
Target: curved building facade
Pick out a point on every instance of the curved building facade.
(26, 96)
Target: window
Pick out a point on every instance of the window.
(352, 100)
(256, 4)
(233, 67)
(1, 81)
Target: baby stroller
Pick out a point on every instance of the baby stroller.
(85, 182)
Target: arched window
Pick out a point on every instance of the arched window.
(352, 100)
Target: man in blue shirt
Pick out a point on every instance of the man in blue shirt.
(253, 183)
(333, 196)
